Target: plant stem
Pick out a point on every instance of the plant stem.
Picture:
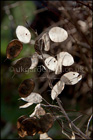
(72, 124)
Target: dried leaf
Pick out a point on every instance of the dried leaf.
(34, 60)
(13, 49)
(71, 78)
(46, 39)
(39, 111)
(66, 58)
(26, 87)
(23, 34)
(57, 89)
(44, 136)
(51, 63)
(22, 65)
(58, 34)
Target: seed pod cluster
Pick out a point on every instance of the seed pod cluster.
(32, 125)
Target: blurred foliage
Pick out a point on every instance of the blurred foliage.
(9, 85)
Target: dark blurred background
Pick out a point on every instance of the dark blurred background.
(77, 100)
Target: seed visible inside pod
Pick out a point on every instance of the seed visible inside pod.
(39, 46)
(22, 65)
(13, 49)
(26, 87)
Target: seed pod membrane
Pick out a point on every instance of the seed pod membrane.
(22, 65)
(23, 34)
(26, 87)
(57, 89)
(13, 49)
(71, 78)
(39, 46)
(58, 34)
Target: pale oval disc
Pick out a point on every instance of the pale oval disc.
(51, 63)
(58, 34)
(67, 59)
(71, 78)
(57, 89)
(23, 34)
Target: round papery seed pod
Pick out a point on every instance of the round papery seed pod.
(13, 49)
(26, 87)
(58, 34)
(23, 34)
(22, 65)
(30, 125)
(39, 46)
(46, 121)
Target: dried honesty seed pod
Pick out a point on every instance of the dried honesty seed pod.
(21, 132)
(67, 59)
(45, 122)
(46, 39)
(58, 34)
(13, 49)
(34, 60)
(22, 65)
(20, 119)
(57, 89)
(39, 111)
(26, 87)
(71, 78)
(51, 63)
(32, 98)
(23, 34)
(39, 46)
(30, 125)
(45, 136)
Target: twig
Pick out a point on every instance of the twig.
(88, 124)
(72, 124)
(87, 5)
